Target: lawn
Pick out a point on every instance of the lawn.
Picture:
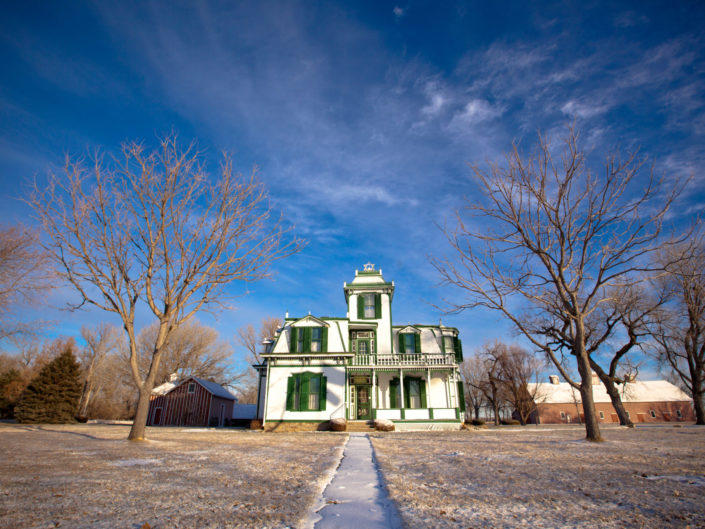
(529, 477)
(90, 476)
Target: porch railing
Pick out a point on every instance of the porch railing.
(419, 359)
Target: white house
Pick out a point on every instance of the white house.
(361, 367)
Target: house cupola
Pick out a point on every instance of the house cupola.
(368, 296)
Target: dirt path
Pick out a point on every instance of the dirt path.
(356, 497)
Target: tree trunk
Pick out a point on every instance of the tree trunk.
(592, 427)
(139, 424)
(699, 408)
(85, 400)
(617, 403)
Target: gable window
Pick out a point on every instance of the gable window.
(306, 392)
(369, 306)
(409, 343)
(309, 340)
(192, 387)
(316, 337)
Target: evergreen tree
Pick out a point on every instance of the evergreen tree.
(52, 396)
(11, 385)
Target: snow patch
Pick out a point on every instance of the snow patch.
(687, 480)
(136, 462)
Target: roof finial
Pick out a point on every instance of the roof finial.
(369, 267)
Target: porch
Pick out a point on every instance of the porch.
(428, 393)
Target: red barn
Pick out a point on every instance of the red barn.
(192, 402)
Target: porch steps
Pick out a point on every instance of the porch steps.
(360, 426)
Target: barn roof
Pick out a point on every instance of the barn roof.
(211, 387)
(641, 391)
(216, 389)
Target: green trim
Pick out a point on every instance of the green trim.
(366, 323)
(403, 415)
(272, 366)
(425, 420)
(421, 325)
(430, 413)
(353, 286)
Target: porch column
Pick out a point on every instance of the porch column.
(401, 389)
(428, 388)
(374, 391)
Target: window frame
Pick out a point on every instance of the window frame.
(191, 388)
(299, 395)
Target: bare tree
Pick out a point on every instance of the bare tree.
(680, 331)
(100, 342)
(486, 380)
(153, 227)
(23, 275)
(553, 237)
(251, 341)
(517, 373)
(473, 372)
(193, 350)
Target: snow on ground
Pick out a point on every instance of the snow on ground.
(546, 478)
(90, 476)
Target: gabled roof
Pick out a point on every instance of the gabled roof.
(641, 391)
(211, 387)
(309, 319)
(216, 389)
(410, 329)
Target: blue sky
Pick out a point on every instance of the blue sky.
(361, 116)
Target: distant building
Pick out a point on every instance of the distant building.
(361, 367)
(191, 402)
(644, 401)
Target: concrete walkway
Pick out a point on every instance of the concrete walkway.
(356, 496)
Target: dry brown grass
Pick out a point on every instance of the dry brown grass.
(638, 478)
(90, 476)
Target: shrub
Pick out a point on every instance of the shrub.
(52, 396)
(510, 422)
(477, 422)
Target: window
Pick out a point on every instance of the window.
(409, 343)
(679, 414)
(414, 393)
(306, 392)
(653, 414)
(563, 415)
(309, 339)
(451, 344)
(192, 387)
(316, 336)
(369, 306)
(602, 415)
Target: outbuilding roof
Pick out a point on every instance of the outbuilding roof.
(640, 391)
(212, 388)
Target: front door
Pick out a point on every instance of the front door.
(363, 402)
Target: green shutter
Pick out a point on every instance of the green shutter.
(422, 391)
(400, 337)
(294, 340)
(417, 343)
(461, 395)
(303, 394)
(290, 393)
(324, 340)
(360, 307)
(406, 392)
(393, 392)
(307, 339)
(322, 398)
(458, 346)
(443, 343)
(378, 306)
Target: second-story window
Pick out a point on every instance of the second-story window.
(316, 339)
(369, 305)
(409, 343)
